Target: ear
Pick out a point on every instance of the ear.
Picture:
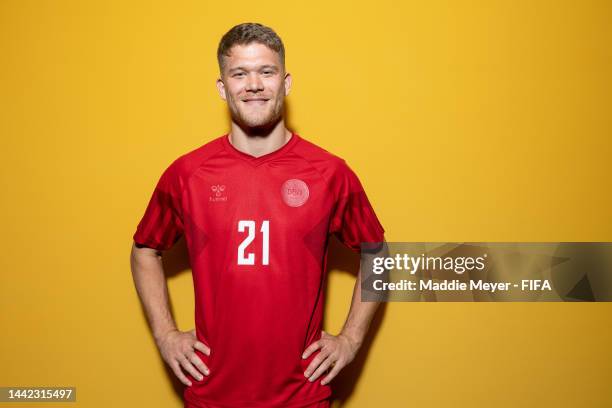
(221, 89)
(287, 83)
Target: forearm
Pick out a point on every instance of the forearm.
(360, 315)
(150, 282)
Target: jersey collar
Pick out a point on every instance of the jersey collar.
(256, 161)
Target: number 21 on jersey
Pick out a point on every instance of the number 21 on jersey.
(248, 258)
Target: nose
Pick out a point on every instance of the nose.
(254, 83)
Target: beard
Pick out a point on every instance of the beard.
(257, 119)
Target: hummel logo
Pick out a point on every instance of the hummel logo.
(218, 193)
(218, 189)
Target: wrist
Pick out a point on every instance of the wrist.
(161, 334)
(354, 338)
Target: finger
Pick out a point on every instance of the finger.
(198, 345)
(315, 363)
(190, 368)
(311, 349)
(334, 372)
(196, 361)
(176, 368)
(321, 369)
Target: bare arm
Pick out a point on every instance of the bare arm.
(150, 282)
(176, 347)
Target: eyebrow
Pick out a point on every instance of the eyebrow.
(240, 68)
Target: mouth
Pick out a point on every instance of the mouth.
(255, 101)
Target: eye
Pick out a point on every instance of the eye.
(238, 74)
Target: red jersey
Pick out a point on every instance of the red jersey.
(257, 230)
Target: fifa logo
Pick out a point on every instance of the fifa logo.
(218, 193)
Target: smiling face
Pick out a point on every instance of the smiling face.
(254, 84)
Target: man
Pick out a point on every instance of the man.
(256, 207)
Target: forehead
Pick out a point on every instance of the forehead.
(251, 56)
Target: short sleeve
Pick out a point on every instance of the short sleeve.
(162, 223)
(354, 220)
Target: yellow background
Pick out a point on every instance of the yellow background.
(466, 121)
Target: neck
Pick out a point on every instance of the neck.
(259, 141)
